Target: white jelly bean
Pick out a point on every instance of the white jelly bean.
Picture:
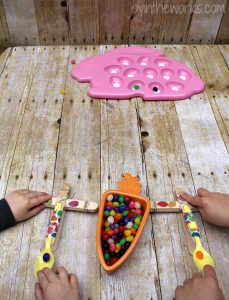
(137, 205)
(129, 225)
(110, 241)
(110, 197)
(110, 220)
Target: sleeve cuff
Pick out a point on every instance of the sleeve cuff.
(6, 216)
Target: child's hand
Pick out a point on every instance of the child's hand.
(58, 286)
(214, 207)
(25, 204)
(200, 287)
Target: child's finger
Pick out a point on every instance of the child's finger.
(34, 211)
(197, 275)
(39, 200)
(42, 279)
(35, 194)
(209, 271)
(50, 275)
(63, 274)
(201, 192)
(73, 280)
(196, 201)
(38, 292)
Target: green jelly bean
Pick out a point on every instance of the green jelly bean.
(122, 242)
(121, 199)
(107, 256)
(125, 213)
(135, 226)
(59, 213)
(106, 213)
(139, 217)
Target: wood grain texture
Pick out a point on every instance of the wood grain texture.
(47, 138)
(56, 22)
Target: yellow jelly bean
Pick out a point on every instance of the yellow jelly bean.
(137, 221)
(115, 204)
(112, 213)
(129, 238)
(106, 224)
(118, 247)
(62, 91)
(127, 232)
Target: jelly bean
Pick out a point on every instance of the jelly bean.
(109, 263)
(105, 236)
(129, 238)
(127, 199)
(121, 199)
(125, 213)
(110, 241)
(109, 203)
(112, 226)
(122, 252)
(114, 260)
(122, 242)
(107, 256)
(105, 245)
(110, 197)
(110, 219)
(127, 232)
(113, 254)
(131, 204)
(131, 215)
(46, 257)
(116, 225)
(106, 224)
(126, 220)
(138, 211)
(137, 221)
(120, 235)
(122, 208)
(131, 220)
(133, 231)
(121, 228)
(108, 208)
(116, 230)
(139, 217)
(129, 225)
(135, 226)
(127, 245)
(106, 213)
(115, 204)
(112, 213)
(118, 216)
(113, 236)
(137, 205)
(116, 209)
(112, 247)
(116, 197)
(110, 232)
(118, 247)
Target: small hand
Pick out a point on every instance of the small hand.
(214, 207)
(25, 204)
(57, 285)
(200, 287)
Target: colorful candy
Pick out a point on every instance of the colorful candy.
(122, 218)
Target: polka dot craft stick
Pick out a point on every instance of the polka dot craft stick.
(201, 257)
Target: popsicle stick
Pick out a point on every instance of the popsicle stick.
(189, 240)
(170, 206)
(75, 205)
(63, 195)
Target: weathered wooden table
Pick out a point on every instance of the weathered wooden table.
(47, 138)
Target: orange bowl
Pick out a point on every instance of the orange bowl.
(145, 203)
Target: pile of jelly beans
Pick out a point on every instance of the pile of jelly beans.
(122, 218)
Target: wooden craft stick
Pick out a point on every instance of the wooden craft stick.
(63, 195)
(190, 241)
(171, 206)
(75, 205)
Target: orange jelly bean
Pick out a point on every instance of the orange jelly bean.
(118, 216)
(133, 231)
(199, 255)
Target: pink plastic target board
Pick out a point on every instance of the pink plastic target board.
(129, 72)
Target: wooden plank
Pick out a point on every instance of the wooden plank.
(215, 75)
(84, 21)
(205, 21)
(208, 158)
(121, 153)
(144, 21)
(114, 20)
(3, 59)
(21, 20)
(223, 32)
(224, 49)
(175, 21)
(5, 39)
(33, 167)
(78, 163)
(52, 21)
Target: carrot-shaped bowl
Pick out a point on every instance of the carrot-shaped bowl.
(121, 219)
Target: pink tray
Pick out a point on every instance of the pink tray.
(137, 72)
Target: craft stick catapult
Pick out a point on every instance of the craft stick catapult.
(121, 219)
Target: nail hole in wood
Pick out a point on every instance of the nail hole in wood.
(169, 174)
(45, 176)
(144, 134)
(31, 177)
(9, 100)
(83, 100)
(154, 174)
(109, 177)
(63, 3)
(33, 100)
(183, 175)
(59, 121)
(64, 176)
(198, 173)
(56, 101)
(89, 176)
(212, 173)
(71, 101)
(16, 177)
(225, 172)
(44, 100)
(79, 176)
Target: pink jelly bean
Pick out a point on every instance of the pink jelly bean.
(138, 211)
(132, 204)
(112, 247)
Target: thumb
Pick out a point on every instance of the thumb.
(201, 192)
(209, 271)
(196, 201)
(34, 211)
